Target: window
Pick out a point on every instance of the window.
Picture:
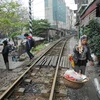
(46, 3)
(98, 11)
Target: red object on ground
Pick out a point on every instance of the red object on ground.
(67, 76)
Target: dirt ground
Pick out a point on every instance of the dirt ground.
(87, 92)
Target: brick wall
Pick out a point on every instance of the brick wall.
(89, 17)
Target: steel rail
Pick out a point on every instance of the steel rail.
(56, 72)
(7, 92)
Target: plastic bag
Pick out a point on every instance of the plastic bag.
(72, 75)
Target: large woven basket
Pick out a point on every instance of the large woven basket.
(74, 84)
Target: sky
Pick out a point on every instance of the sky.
(38, 7)
(71, 4)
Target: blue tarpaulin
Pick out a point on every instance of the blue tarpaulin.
(21, 36)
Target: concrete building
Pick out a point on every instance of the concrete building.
(81, 5)
(70, 19)
(85, 14)
(73, 21)
(92, 11)
(55, 13)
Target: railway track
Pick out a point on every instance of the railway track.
(42, 79)
(44, 68)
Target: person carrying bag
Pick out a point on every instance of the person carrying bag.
(82, 55)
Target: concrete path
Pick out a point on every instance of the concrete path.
(12, 64)
(88, 91)
(72, 43)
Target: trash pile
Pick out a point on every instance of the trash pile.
(74, 76)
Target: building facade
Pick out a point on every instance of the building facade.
(91, 12)
(70, 19)
(89, 1)
(81, 5)
(55, 13)
(81, 2)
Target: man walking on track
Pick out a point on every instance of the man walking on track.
(29, 45)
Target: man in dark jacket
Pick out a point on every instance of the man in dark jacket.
(5, 53)
(28, 45)
(81, 58)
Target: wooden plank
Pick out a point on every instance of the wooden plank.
(48, 61)
(55, 62)
(45, 60)
(50, 64)
(39, 61)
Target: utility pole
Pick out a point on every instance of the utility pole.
(30, 17)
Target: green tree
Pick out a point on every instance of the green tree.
(39, 27)
(93, 33)
(11, 21)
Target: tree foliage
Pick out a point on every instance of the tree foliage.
(11, 21)
(39, 27)
(93, 33)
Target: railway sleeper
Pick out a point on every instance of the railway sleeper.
(19, 92)
(61, 93)
(45, 93)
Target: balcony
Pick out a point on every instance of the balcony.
(82, 7)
